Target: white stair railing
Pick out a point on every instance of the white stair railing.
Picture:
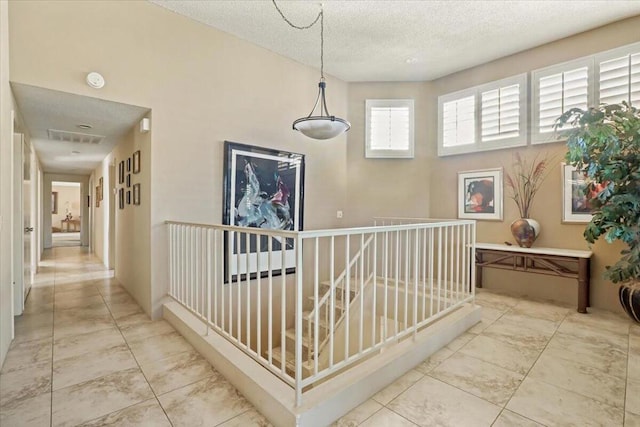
(257, 288)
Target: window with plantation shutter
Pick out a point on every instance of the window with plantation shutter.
(557, 89)
(619, 76)
(486, 117)
(389, 128)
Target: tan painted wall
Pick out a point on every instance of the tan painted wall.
(435, 179)
(203, 87)
(6, 105)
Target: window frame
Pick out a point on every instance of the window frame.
(598, 58)
(479, 145)
(536, 75)
(370, 152)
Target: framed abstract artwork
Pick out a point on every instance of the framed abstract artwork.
(121, 172)
(263, 188)
(136, 162)
(480, 194)
(575, 204)
(121, 198)
(136, 194)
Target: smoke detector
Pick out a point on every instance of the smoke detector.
(95, 80)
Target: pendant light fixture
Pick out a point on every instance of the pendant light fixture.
(323, 126)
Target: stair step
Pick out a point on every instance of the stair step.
(354, 286)
(338, 302)
(276, 353)
(306, 315)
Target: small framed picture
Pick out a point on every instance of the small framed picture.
(100, 185)
(97, 196)
(128, 180)
(128, 197)
(480, 194)
(136, 194)
(121, 172)
(121, 198)
(129, 164)
(575, 203)
(136, 162)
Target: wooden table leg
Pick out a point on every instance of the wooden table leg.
(478, 269)
(583, 285)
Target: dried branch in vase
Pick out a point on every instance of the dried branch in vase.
(524, 181)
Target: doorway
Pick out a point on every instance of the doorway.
(66, 214)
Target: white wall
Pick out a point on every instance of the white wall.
(6, 105)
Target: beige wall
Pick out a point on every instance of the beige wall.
(435, 179)
(6, 105)
(203, 86)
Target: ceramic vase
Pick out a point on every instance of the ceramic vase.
(525, 231)
(629, 294)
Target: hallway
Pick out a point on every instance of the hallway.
(86, 354)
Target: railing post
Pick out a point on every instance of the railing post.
(298, 349)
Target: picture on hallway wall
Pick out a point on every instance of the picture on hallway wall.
(121, 198)
(480, 194)
(101, 188)
(263, 189)
(136, 162)
(97, 196)
(136, 194)
(121, 172)
(576, 207)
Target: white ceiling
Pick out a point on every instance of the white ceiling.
(44, 109)
(373, 40)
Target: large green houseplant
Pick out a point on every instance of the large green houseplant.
(604, 143)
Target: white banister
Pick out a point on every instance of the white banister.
(341, 295)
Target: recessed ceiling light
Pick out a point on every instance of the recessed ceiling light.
(84, 126)
(95, 80)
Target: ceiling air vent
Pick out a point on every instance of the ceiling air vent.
(82, 138)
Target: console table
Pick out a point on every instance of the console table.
(552, 261)
(74, 222)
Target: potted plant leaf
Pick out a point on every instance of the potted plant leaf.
(604, 143)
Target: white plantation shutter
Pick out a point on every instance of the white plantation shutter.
(459, 122)
(501, 113)
(389, 128)
(559, 93)
(619, 79)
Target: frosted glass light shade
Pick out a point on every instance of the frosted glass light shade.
(321, 127)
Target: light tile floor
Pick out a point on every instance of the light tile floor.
(86, 354)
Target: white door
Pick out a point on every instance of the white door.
(18, 230)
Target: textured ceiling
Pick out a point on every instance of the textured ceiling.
(44, 109)
(403, 40)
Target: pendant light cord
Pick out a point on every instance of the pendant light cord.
(315, 21)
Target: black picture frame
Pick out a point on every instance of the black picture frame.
(136, 162)
(276, 174)
(121, 172)
(136, 194)
(128, 197)
(128, 180)
(128, 164)
(121, 198)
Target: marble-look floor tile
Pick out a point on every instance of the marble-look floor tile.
(501, 353)
(119, 298)
(631, 420)
(25, 354)
(434, 360)
(158, 347)
(517, 335)
(147, 413)
(25, 383)
(33, 326)
(133, 320)
(37, 308)
(75, 345)
(511, 419)
(119, 310)
(386, 418)
(146, 329)
(633, 367)
(87, 366)
(82, 326)
(92, 399)
(460, 341)
(79, 302)
(615, 323)
(250, 418)
(585, 329)
(430, 402)
(31, 412)
(578, 378)
(553, 406)
(605, 357)
(495, 300)
(394, 389)
(541, 310)
(544, 326)
(482, 379)
(176, 371)
(632, 403)
(96, 311)
(210, 401)
(357, 415)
